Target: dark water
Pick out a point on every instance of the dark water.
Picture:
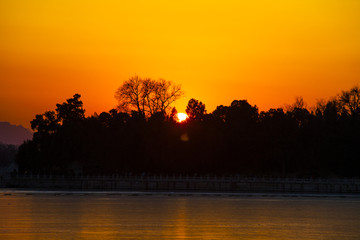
(39, 215)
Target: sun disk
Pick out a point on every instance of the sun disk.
(182, 117)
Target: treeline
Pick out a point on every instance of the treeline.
(7, 155)
(238, 139)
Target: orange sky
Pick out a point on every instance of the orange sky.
(267, 52)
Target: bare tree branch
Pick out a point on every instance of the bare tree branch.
(147, 96)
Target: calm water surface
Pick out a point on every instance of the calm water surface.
(50, 215)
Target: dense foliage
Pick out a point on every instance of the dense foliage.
(235, 139)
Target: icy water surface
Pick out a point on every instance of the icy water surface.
(69, 215)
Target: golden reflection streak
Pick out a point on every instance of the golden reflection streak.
(15, 214)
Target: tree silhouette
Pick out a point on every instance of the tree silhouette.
(241, 110)
(46, 123)
(147, 96)
(72, 110)
(233, 139)
(173, 115)
(195, 110)
(350, 101)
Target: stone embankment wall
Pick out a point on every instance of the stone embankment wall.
(185, 184)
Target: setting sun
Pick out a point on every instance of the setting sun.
(192, 113)
(182, 117)
(267, 52)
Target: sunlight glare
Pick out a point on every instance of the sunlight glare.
(182, 117)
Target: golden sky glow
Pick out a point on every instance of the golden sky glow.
(267, 52)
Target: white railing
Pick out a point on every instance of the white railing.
(235, 183)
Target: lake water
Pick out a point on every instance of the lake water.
(70, 215)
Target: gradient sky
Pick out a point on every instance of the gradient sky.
(267, 52)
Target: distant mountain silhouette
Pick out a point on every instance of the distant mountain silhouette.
(12, 134)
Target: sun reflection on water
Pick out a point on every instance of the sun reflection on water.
(94, 216)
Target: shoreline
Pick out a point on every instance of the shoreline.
(63, 192)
